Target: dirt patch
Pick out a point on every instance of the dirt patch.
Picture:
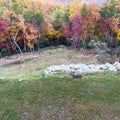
(50, 113)
(55, 56)
(17, 59)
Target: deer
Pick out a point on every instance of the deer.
(76, 76)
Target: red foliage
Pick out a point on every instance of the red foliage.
(101, 25)
(68, 30)
(22, 34)
(3, 25)
(76, 25)
(75, 28)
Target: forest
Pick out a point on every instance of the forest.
(29, 25)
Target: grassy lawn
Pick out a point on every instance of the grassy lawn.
(59, 97)
(26, 95)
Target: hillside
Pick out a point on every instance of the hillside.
(25, 94)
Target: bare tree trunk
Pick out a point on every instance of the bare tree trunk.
(14, 40)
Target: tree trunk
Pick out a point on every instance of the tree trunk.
(14, 40)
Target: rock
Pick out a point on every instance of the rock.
(80, 71)
(108, 65)
(27, 115)
(20, 80)
(111, 67)
(94, 68)
(82, 68)
(46, 72)
(103, 67)
(72, 66)
(64, 67)
(117, 65)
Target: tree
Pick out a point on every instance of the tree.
(28, 15)
(84, 10)
(77, 25)
(38, 17)
(75, 7)
(1, 12)
(74, 30)
(16, 7)
(57, 18)
(110, 8)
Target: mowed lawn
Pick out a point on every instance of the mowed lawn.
(59, 97)
(26, 95)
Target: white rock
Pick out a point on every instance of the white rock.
(108, 65)
(80, 71)
(94, 70)
(65, 68)
(94, 67)
(82, 68)
(111, 67)
(103, 67)
(72, 67)
(20, 80)
(117, 65)
(46, 72)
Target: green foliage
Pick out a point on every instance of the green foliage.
(110, 9)
(1, 12)
(84, 10)
(38, 17)
(17, 8)
(58, 17)
(94, 41)
(66, 15)
(34, 16)
(28, 15)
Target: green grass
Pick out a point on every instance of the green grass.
(96, 97)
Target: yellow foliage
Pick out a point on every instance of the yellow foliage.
(30, 45)
(114, 24)
(75, 8)
(118, 34)
(30, 40)
(100, 33)
(54, 33)
(44, 28)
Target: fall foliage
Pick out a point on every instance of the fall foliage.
(24, 23)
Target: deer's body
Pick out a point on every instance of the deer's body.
(77, 76)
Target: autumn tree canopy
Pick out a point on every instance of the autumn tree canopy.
(24, 22)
